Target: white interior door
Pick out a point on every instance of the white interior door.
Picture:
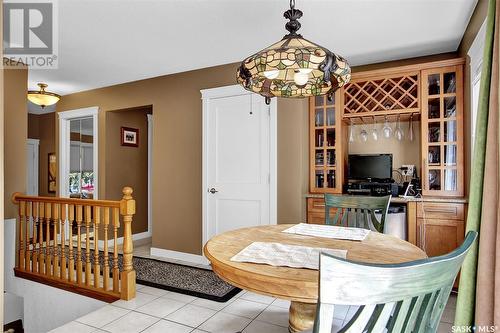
(32, 167)
(238, 164)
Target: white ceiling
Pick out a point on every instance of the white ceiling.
(106, 42)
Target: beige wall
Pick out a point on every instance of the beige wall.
(403, 152)
(293, 159)
(33, 126)
(15, 135)
(42, 127)
(128, 166)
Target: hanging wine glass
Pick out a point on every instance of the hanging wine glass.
(351, 132)
(363, 134)
(374, 130)
(387, 130)
(399, 134)
(410, 129)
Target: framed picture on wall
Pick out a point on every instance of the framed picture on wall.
(52, 173)
(130, 137)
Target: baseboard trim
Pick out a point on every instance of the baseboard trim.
(182, 256)
(119, 240)
(139, 236)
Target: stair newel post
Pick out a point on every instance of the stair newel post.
(127, 210)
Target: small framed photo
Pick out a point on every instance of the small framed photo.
(130, 137)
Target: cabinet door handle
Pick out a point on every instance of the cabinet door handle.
(441, 210)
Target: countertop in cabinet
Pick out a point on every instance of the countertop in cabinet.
(409, 199)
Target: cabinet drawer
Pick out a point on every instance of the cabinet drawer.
(316, 210)
(440, 210)
(316, 205)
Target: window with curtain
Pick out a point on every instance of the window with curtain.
(476, 62)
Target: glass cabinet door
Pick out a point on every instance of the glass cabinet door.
(442, 129)
(324, 145)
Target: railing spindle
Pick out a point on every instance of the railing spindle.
(97, 266)
(48, 259)
(55, 244)
(63, 242)
(27, 254)
(105, 274)
(116, 272)
(88, 267)
(46, 247)
(41, 248)
(71, 258)
(36, 226)
(79, 245)
(22, 211)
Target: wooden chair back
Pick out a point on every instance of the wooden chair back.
(408, 297)
(357, 211)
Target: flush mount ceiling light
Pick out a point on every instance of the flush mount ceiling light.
(42, 97)
(293, 67)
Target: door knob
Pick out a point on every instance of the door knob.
(213, 191)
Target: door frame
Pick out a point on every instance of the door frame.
(150, 174)
(35, 143)
(64, 146)
(228, 91)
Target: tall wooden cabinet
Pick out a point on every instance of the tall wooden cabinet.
(442, 132)
(429, 92)
(326, 145)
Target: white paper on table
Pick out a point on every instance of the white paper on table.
(277, 254)
(328, 231)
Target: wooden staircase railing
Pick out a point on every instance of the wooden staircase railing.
(59, 244)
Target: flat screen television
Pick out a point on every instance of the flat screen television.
(376, 167)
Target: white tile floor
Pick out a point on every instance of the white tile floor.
(156, 310)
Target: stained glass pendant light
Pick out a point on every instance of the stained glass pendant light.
(293, 67)
(42, 97)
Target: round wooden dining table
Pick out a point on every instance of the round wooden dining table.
(298, 285)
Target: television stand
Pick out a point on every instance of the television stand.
(372, 188)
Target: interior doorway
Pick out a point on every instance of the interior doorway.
(239, 160)
(128, 163)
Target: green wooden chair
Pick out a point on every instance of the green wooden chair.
(402, 298)
(357, 211)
